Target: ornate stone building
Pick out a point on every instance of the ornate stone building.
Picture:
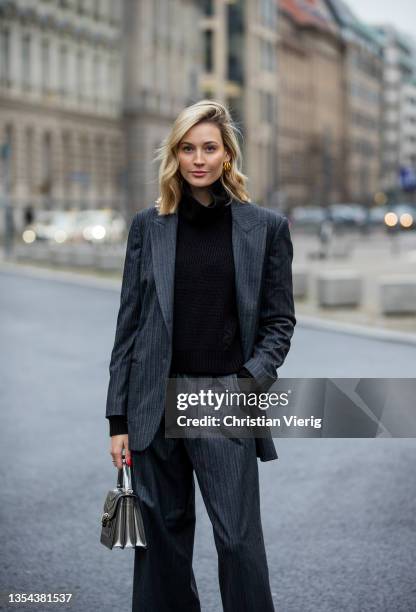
(162, 50)
(89, 88)
(60, 104)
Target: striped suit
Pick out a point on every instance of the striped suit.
(163, 468)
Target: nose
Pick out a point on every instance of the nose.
(198, 158)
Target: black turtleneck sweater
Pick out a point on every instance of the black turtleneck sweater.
(206, 333)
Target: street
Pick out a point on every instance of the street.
(338, 514)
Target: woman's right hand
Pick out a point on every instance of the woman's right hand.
(118, 443)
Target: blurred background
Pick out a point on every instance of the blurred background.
(323, 92)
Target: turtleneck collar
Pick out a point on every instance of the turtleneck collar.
(195, 212)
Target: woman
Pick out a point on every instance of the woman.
(206, 292)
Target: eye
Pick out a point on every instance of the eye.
(189, 148)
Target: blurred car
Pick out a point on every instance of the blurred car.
(307, 217)
(52, 226)
(348, 215)
(376, 215)
(100, 226)
(93, 226)
(401, 216)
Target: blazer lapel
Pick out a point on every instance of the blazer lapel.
(163, 240)
(248, 241)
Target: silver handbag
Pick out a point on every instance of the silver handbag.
(122, 522)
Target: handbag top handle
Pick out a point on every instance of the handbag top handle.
(124, 478)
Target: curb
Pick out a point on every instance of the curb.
(377, 333)
(64, 276)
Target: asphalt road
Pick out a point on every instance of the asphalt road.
(339, 516)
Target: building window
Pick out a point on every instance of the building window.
(80, 74)
(270, 108)
(267, 56)
(46, 164)
(113, 84)
(208, 49)
(208, 7)
(99, 161)
(11, 156)
(96, 76)
(116, 9)
(235, 43)
(268, 13)
(266, 106)
(4, 56)
(97, 9)
(63, 69)
(46, 68)
(66, 162)
(30, 178)
(26, 60)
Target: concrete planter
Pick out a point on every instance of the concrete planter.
(339, 288)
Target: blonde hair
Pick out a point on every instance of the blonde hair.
(170, 179)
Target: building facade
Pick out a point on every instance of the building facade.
(240, 70)
(399, 67)
(60, 104)
(362, 69)
(162, 56)
(325, 105)
(311, 105)
(407, 152)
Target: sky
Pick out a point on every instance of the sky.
(400, 13)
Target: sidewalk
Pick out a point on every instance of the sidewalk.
(372, 257)
(365, 321)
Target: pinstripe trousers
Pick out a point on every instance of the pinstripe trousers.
(163, 479)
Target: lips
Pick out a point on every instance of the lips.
(198, 173)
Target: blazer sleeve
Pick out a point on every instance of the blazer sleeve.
(127, 320)
(277, 311)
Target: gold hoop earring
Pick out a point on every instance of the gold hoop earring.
(227, 166)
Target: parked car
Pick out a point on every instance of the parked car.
(93, 226)
(376, 215)
(51, 225)
(348, 215)
(307, 217)
(101, 225)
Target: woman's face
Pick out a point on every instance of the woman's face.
(201, 154)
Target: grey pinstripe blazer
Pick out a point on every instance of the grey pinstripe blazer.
(140, 359)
